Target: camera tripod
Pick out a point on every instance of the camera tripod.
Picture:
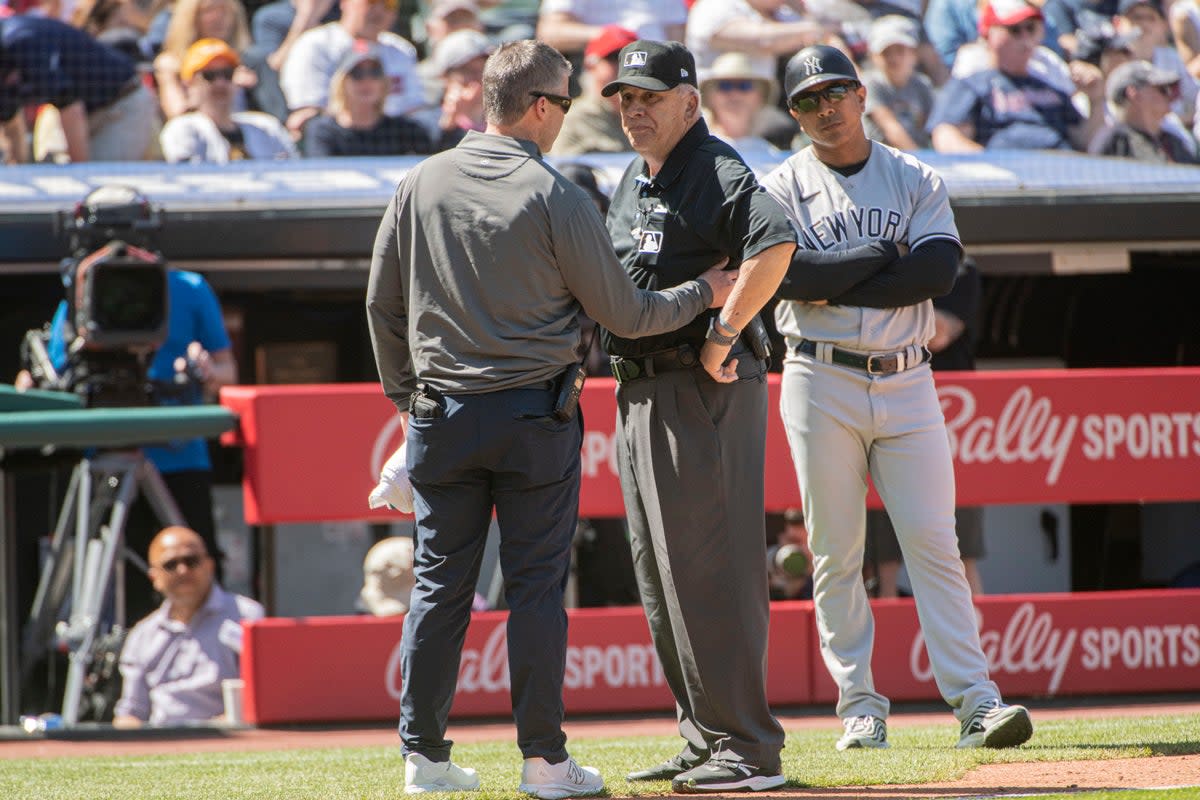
(87, 557)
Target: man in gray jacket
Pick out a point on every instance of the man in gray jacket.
(482, 263)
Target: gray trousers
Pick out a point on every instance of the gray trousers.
(690, 453)
(494, 450)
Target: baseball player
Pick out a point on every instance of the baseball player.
(859, 400)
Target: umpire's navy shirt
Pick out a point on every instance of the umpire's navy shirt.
(704, 205)
(46, 61)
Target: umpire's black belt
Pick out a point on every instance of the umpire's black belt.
(883, 364)
(651, 364)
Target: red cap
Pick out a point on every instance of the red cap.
(1006, 12)
(609, 41)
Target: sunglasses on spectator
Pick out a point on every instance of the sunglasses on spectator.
(1169, 91)
(1030, 27)
(562, 102)
(214, 75)
(364, 71)
(189, 561)
(811, 101)
(740, 85)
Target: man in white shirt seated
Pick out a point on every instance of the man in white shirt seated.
(174, 660)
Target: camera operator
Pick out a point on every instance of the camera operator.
(197, 350)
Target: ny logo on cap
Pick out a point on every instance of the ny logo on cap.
(812, 65)
(636, 58)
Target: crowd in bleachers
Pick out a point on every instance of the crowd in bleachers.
(222, 80)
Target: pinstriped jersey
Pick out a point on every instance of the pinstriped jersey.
(894, 196)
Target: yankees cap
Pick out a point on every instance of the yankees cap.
(656, 66)
(816, 64)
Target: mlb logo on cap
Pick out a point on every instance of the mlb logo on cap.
(654, 66)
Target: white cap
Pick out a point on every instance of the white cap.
(459, 48)
(893, 29)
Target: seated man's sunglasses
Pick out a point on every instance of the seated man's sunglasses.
(806, 102)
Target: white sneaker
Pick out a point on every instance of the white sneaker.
(864, 731)
(549, 781)
(422, 775)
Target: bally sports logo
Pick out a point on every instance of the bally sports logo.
(626, 665)
(1031, 643)
(1028, 430)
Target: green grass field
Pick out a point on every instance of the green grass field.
(918, 755)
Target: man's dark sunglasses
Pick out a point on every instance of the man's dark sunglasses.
(189, 561)
(364, 71)
(562, 102)
(811, 101)
(735, 85)
(213, 75)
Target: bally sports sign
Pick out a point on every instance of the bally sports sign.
(1062, 436)
(341, 669)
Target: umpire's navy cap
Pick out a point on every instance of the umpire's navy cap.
(817, 64)
(657, 66)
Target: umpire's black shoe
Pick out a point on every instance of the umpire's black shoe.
(662, 772)
(726, 775)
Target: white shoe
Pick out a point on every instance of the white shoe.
(549, 781)
(422, 775)
(864, 731)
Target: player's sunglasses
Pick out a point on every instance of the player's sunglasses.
(807, 102)
(189, 561)
(365, 71)
(744, 85)
(214, 75)
(562, 102)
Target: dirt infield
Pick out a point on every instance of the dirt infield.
(987, 781)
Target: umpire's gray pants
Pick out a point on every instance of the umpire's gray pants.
(690, 454)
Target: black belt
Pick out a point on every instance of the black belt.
(647, 366)
(885, 364)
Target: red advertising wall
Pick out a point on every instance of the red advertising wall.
(343, 669)
(1062, 436)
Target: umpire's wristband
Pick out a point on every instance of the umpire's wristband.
(715, 336)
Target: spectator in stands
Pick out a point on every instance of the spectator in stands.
(174, 660)
(733, 97)
(594, 124)
(899, 98)
(762, 29)
(191, 21)
(308, 70)
(1141, 96)
(275, 28)
(106, 111)
(1007, 106)
(569, 25)
(1184, 19)
(214, 133)
(951, 24)
(354, 124)
(444, 18)
(460, 58)
(388, 578)
(1145, 24)
(1069, 17)
(118, 23)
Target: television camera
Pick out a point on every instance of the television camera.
(116, 303)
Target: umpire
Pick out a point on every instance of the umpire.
(692, 419)
(481, 264)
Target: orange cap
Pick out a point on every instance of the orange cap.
(202, 53)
